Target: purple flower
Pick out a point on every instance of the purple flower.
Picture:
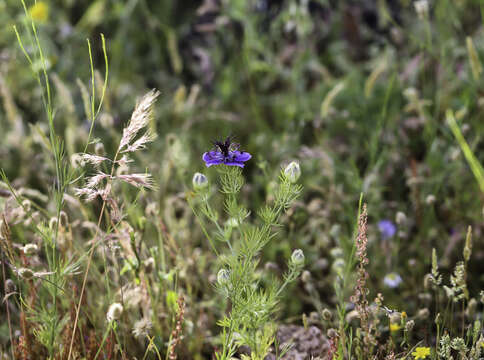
(387, 228)
(226, 153)
(392, 280)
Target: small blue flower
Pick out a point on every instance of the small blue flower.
(392, 280)
(387, 229)
(226, 153)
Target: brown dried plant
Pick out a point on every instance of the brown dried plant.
(176, 333)
(359, 298)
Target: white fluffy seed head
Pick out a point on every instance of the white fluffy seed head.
(114, 312)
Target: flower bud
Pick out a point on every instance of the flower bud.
(422, 9)
(223, 276)
(400, 218)
(306, 276)
(297, 257)
(30, 249)
(114, 312)
(292, 171)
(327, 315)
(99, 149)
(199, 181)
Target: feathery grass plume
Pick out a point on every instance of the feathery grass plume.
(476, 65)
(436, 277)
(328, 100)
(375, 74)
(139, 120)
(468, 245)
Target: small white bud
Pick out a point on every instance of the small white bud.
(223, 276)
(30, 249)
(292, 171)
(199, 181)
(422, 8)
(430, 199)
(400, 218)
(99, 149)
(114, 312)
(297, 257)
(26, 273)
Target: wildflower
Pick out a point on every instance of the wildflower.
(226, 153)
(297, 257)
(39, 12)
(392, 280)
(292, 171)
(114, 312)
(199, 181)
(387, 228)
(394, 327)
(421, 352)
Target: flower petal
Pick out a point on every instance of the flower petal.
(212, 158)
(241, 155)
(234, 163)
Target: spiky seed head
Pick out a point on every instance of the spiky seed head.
(292, 171)
(199, 181)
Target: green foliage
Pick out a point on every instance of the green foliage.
(252, 306)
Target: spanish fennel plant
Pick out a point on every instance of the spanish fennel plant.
(238, 243)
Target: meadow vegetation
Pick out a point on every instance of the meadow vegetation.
(241, 179)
